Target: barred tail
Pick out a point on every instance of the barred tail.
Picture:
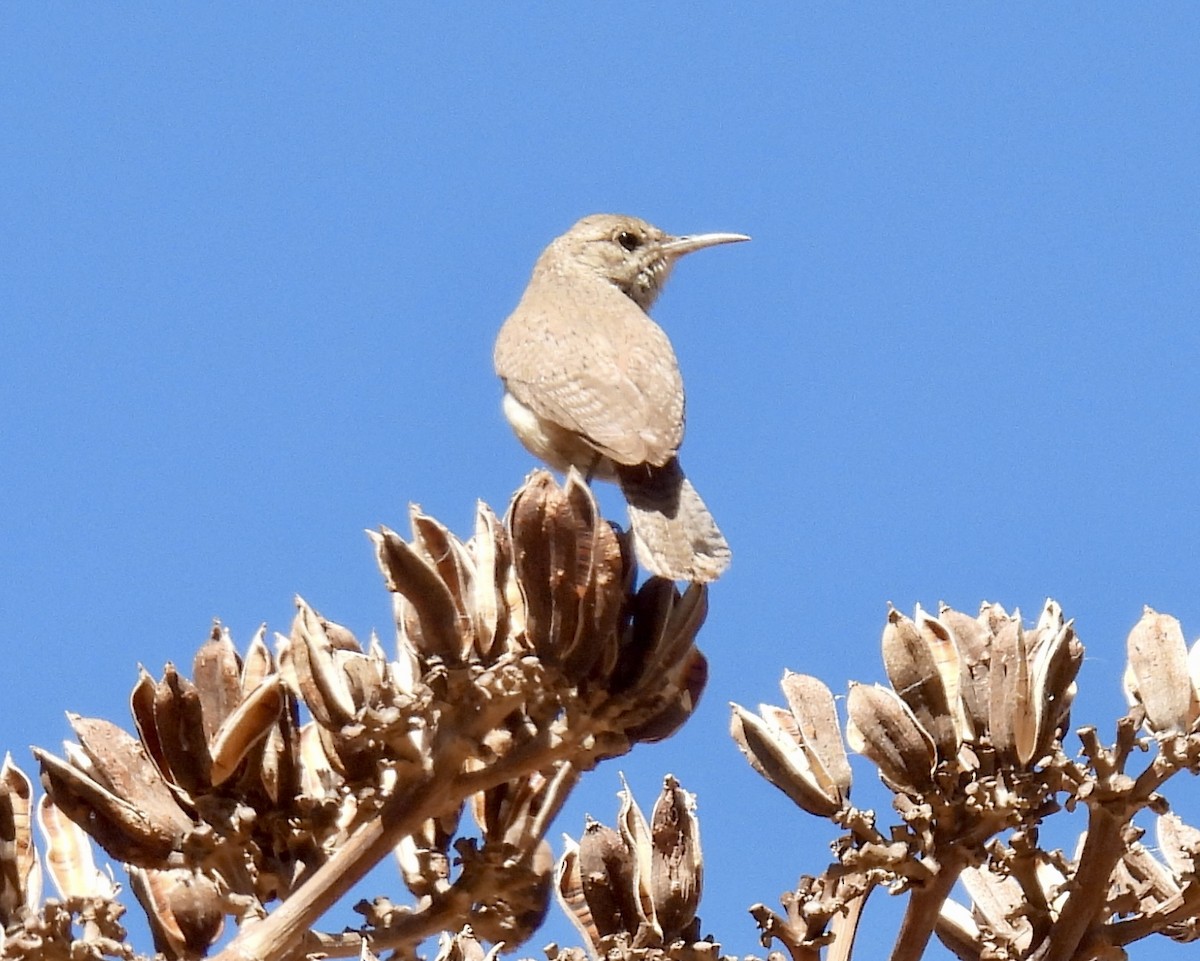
(673, 533)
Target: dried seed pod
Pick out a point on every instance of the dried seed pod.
(429, 615)
(998, 901)
(1179, 844)
(258, 663)
(912, 668)
(20, 869)
(940, 642)
(972, 640)
(1012, 714)
(811, 704)
(635, 833)
(246, 727)
(142, 705)
(643, 880)
(321, 683)
(1054, 886)
(184, 909)
(957, 930)
(1056, 662)
(568, 888)
(120, 764)
(491, 553)
(112, 787)
(773, 753)
(69, 860)
(318, 779)
(216, 672)
(277, 768)
(568, 570)
(179, 722)
(1158, 663)
(608, 881)
(600, 601)
(680, 689)
(884, 729)
(662, 626)
(800, 752)
(677, 864)
(451, 560)
(531, 519)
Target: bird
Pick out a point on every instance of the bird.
(592, 383)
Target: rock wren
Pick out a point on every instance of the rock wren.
(591, 382)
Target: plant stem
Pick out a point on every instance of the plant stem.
(1089, 886)
(921, 915)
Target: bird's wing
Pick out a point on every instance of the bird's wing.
(597, 366)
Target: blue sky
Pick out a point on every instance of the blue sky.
(256, 257)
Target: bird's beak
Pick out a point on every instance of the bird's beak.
(678, 246)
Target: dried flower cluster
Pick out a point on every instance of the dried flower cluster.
(524, 656)
(263, 787)
(633, 891)
(969, 740)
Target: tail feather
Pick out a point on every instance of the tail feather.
(673, 533)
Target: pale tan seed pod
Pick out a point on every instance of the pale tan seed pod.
(957, 930)
(491, 553)
(20, 867)
(1054, 886)
(1055, 663)
(568, 889)
(245, 727)
(1179, 844)
(258, 663)
(1159, 674)
(318, 779)
(998, 900)
(799, 751)
(1012, 715)
(812, 705)
(940, 641)
(452, 562)
(635, 831)
(972, 640)
(69, 859)
(321, 683)
(774, 753)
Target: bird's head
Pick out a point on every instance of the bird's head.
(631, 254)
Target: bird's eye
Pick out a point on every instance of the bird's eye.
(630, 241)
